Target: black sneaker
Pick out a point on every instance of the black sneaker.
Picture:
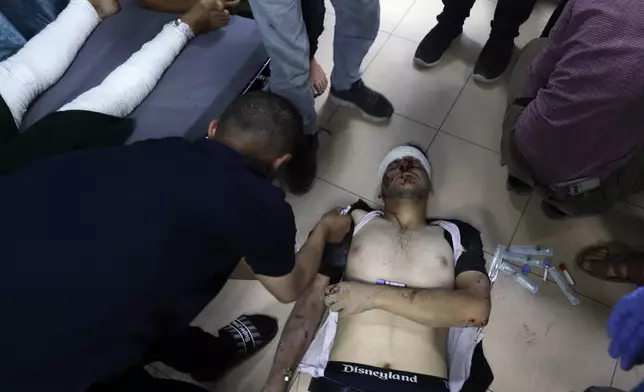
(301, 170)
(493, 60)
(373, 105)
(433, 46)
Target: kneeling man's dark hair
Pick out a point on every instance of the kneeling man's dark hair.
(264, 124)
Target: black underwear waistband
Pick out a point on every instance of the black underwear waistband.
(347, 376)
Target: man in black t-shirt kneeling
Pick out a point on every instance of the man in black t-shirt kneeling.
(108, 254)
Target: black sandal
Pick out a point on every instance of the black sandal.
(247, 334)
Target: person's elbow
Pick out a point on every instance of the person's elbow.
(477, 313)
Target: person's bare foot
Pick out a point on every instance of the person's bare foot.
(318, 78)
(105, 8)
(206, 15)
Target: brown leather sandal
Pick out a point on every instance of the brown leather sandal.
(627, 264)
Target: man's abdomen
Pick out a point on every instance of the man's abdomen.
(381, 339)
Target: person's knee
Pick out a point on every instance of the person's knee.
(358, 19)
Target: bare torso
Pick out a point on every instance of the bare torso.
(419, 259)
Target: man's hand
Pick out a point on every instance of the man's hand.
(350, 297)
(335, 226)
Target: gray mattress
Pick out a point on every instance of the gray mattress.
(211, 71)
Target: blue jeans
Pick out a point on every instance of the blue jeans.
(285, 39)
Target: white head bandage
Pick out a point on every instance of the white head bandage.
(400, 153)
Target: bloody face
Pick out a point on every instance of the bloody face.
(405, 178)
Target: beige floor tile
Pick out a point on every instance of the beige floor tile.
(542, 343)
(624, 222)
(637, 199)
(469, 184)
(420, 94)
(531, 29)
(628, 380)
(350, 158)
(309, 208)
(324, 56)
(478, 114)
(392, 12)
(545, 8)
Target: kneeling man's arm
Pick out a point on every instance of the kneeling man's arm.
(298, 334)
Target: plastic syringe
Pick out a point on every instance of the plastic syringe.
(523, 259)
(534, 250)
(496, 262)
(564, 286)
(520, 279)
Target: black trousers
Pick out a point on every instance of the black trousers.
(191, 351)
(57, 133)
(508, 16)
(313, 15)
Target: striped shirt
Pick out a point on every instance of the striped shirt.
(587, 118)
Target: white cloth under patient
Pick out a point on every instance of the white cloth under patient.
(460, 344)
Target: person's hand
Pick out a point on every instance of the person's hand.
(335, 226)
(626, 329)
(350, 297)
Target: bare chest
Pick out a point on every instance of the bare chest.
(421, 258)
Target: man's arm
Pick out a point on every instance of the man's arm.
(270, 253)
(468, 305)
(307, 262)
(298, 334)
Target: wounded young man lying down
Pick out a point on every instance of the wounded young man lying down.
(408, 314)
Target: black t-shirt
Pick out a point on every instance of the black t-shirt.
(103, 251)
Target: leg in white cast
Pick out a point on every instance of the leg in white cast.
(129, 84)
(46, 57)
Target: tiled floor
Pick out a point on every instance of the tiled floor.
(533, 343)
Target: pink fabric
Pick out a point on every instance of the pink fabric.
(588, 115)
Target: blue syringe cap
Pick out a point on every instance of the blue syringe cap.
(547, 262)
(525, 269)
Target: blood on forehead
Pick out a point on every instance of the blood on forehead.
(403, 162)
